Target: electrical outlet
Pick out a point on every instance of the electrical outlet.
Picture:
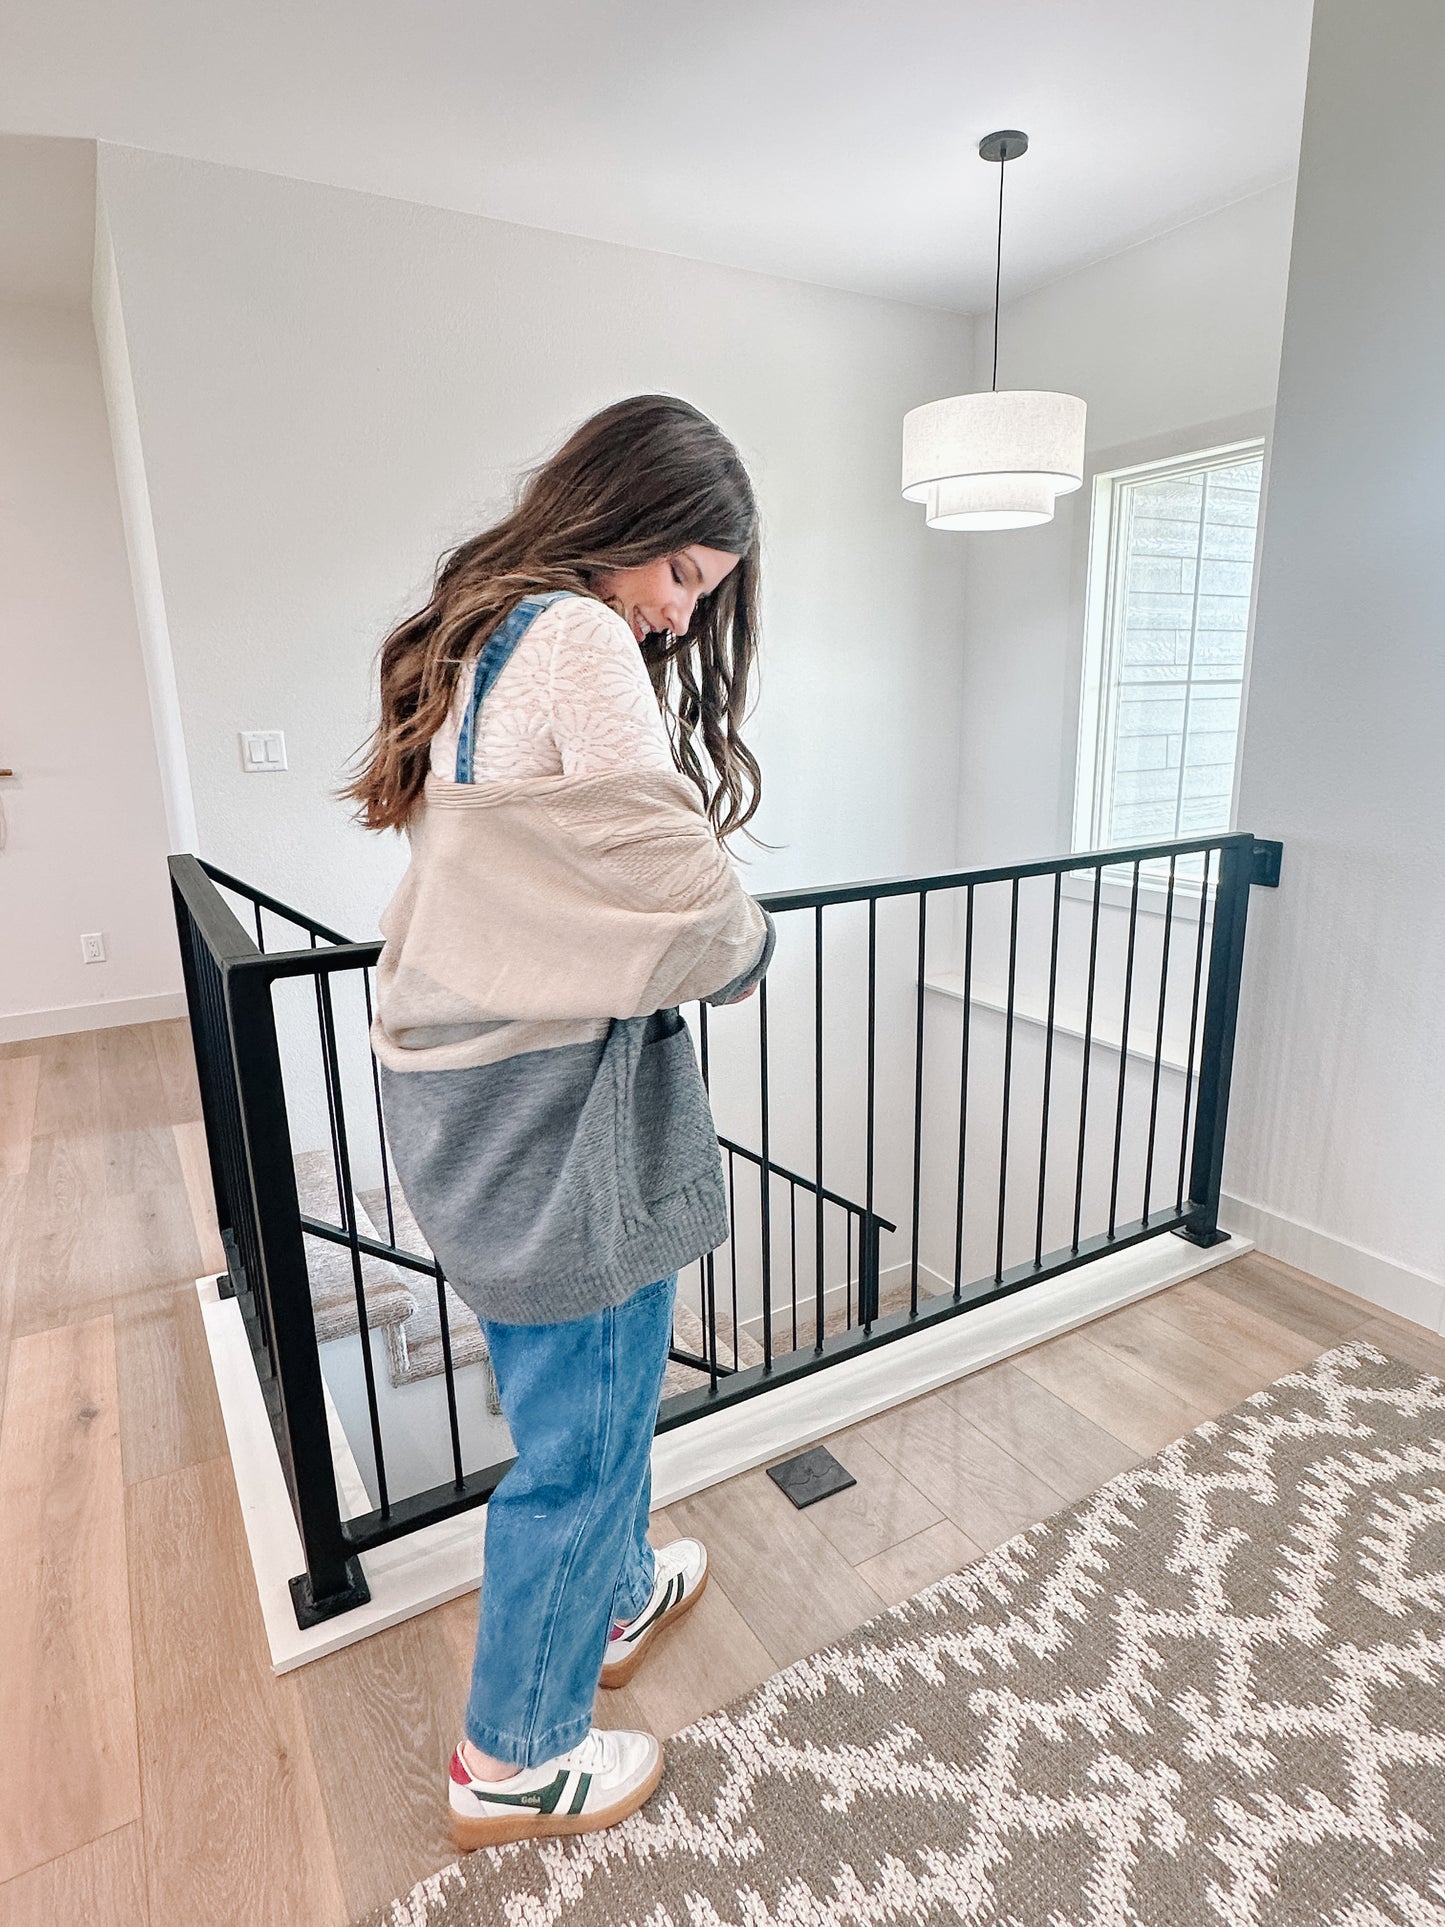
(92, 947)
(263, 751)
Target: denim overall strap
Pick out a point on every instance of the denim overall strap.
(493, 660)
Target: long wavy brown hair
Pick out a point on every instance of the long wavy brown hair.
(639, 481)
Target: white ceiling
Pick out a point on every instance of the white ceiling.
(829, 140)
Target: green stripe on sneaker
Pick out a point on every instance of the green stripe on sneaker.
(663, 1605)
(579, 1797)
(543, 1798)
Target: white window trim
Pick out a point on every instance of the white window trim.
(1180, 448)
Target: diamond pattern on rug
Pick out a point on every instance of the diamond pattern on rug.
(1212, 1692)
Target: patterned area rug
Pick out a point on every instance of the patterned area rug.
(1214, 1691)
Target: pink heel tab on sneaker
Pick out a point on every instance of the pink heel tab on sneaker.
(458, 1771)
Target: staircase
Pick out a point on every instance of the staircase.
(402, 1305)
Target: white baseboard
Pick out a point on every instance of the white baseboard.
(21, 1025)
(1368, 1274)
(442, 1561)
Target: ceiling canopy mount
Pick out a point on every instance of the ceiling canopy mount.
(1007, 145)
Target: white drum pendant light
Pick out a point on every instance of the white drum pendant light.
(998, 459)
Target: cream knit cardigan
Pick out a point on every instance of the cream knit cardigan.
(533, 912)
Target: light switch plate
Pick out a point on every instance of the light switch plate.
(263, 751)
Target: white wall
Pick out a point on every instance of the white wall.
(1174, 345)
(85, 845)
(1340, 1128)
(140, 541)
(331, 387)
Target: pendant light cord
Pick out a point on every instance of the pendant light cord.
(998, 264)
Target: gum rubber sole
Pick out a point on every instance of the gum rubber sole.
(619, 1675)
(500, 1830)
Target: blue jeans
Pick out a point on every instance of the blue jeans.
(566, 1544)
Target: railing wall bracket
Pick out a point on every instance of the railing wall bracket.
(1266, 858)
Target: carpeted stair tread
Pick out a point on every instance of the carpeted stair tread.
(688, 1335)
(420, 1355)
(388, 1295)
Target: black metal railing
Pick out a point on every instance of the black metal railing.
(919, 1040)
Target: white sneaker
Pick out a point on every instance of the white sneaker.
(594, 1786)
(680, 1582)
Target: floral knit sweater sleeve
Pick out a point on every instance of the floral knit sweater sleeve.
(574, 700)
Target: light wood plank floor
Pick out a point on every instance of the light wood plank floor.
(154, 1770)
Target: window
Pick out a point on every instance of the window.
(1171, 570)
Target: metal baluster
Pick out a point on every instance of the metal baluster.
(1124, 1052)
(1159, 1038)
(330, 1092)
(1088, 1045)
(348, 1224)
(1048, 1070)
(819, 1264)
(448, 1375)
(380, 1124)
(793, 1249)
(710, 1291)
(1193, 1029)
(868, 1285)
(733, 1246)
(963, 1089)
(918, 1101)
(710, 1260)
(1008, 1060)
(848, 1269)
(765, 1179)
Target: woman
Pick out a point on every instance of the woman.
(544, 724)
